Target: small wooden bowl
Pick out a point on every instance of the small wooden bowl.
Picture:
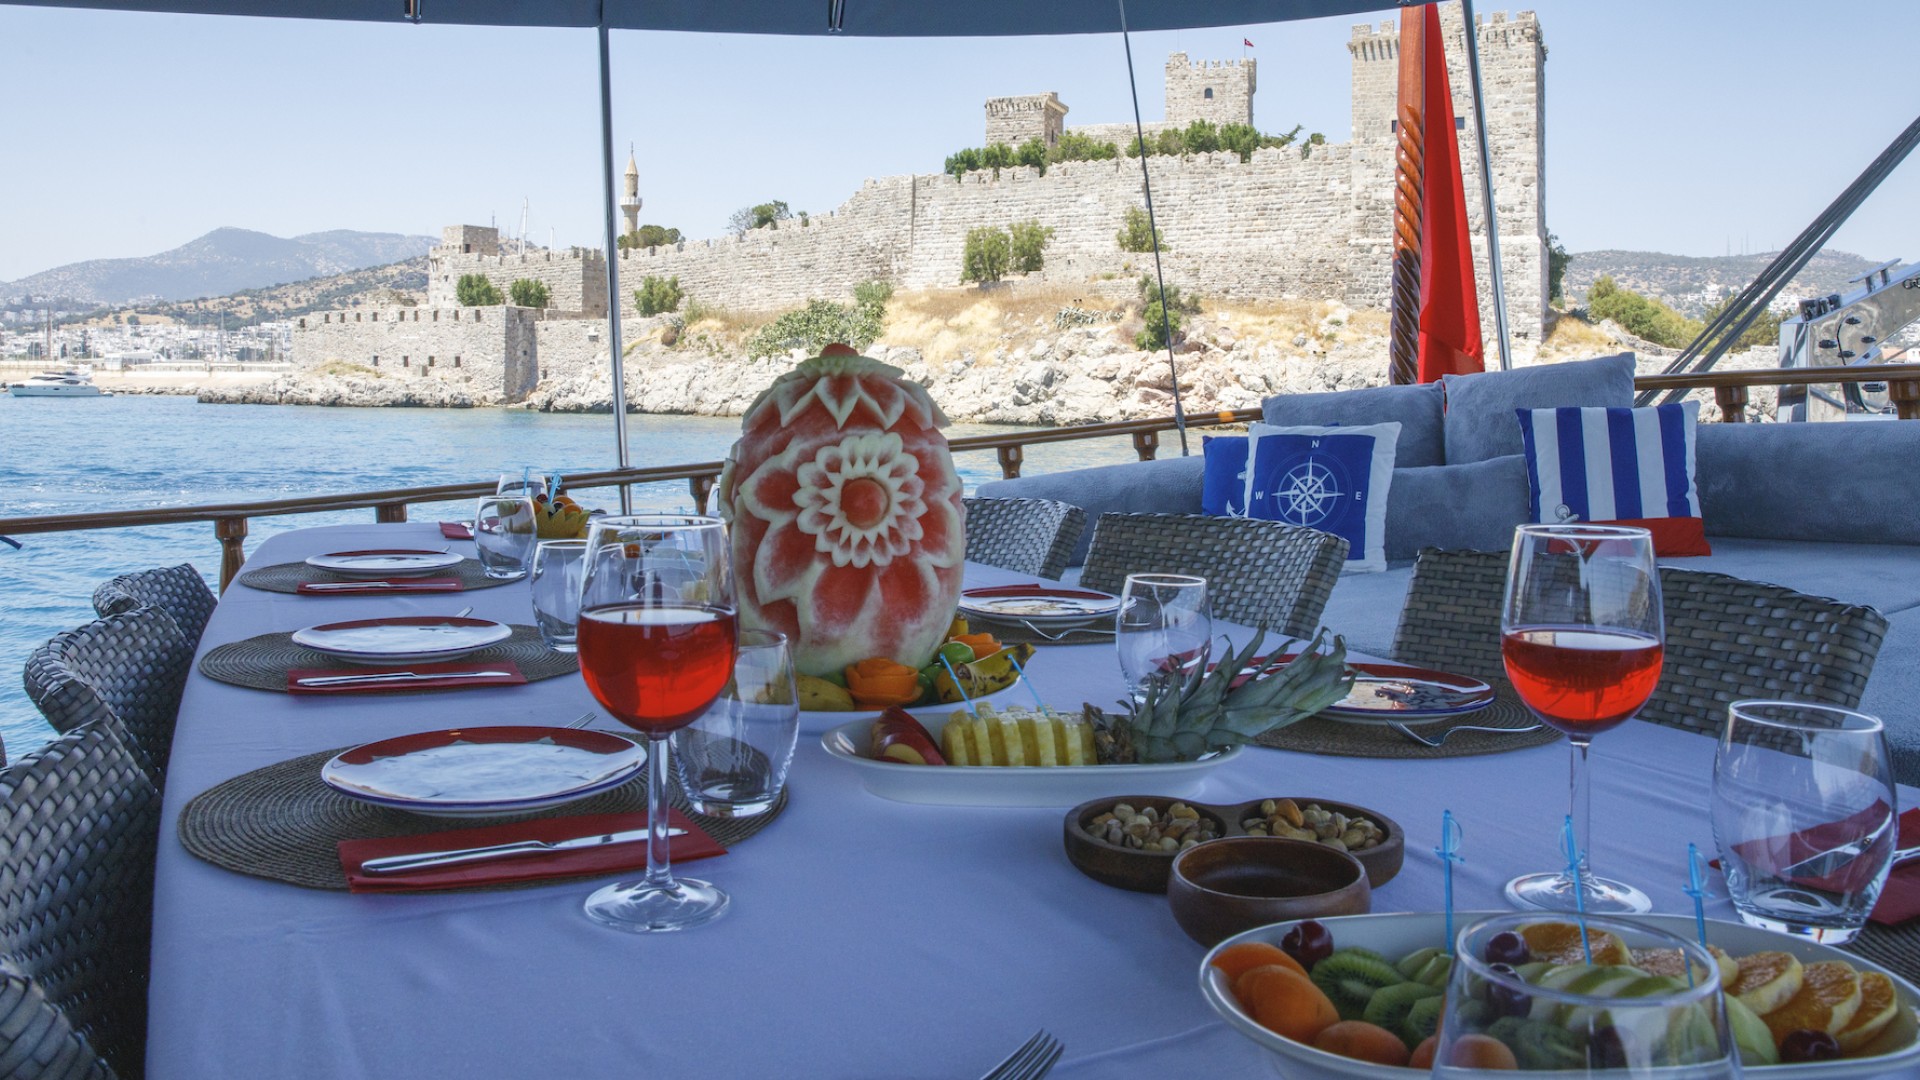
(1123, 867)
(1222, 887)
(1383, 860)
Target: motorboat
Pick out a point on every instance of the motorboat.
(58, 384)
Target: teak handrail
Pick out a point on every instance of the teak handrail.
(231, 520)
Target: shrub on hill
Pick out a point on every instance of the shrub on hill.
(1137, 233)
(647, 236)
(987, 254)
(1029, 245)
(527, 292)
(1639, 315)
(823, 322)
(1764, 331)
(474, 290)
(1165, 315)
(656, 295)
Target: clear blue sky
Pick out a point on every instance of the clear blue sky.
(1678, 127)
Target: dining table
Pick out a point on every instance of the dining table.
(866, 937)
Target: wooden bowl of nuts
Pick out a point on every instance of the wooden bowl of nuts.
(1129, 841)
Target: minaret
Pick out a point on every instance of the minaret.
(630, 206)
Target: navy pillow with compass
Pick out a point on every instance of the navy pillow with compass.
(1334, 479)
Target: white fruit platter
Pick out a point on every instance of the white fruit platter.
(1894, 1052)
(1002, 785)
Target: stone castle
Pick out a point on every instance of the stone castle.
(1297, 222)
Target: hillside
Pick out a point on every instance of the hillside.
(395, 283)
(1691, 284)
(224, 261)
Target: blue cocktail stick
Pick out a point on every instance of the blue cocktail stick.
(1449, 852)
(1024, 681)
(1571, 848)
(1696, 888)
(961, 690)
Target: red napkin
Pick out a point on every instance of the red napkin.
(581, 862)
(1036, 589)
(456, 530)
(384, 586)
(1899, 900)
(513, 677)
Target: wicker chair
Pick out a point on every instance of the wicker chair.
(1259, 573)
(129, 668)
(1727, 638)
(179, 591)
(1027, 536)
(79, 825)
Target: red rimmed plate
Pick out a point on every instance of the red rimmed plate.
(484, 771)
(1040, 605)
(1389, 693)
(384, 562)
(402, 640)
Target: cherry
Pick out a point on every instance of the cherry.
(1308, 942)
(1506, 1001)
(1508, 947)
(1805, 1045)
(1607, 1049)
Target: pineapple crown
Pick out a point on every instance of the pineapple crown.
(1235, 701)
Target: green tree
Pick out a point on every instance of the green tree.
(474, 290)
(1170, 143)
(964, 161)
(1765, 329)
(1201, 137)
(1639, 315)
(648, 236)
(1165, 314)
(1137, 232)
(1029, 245)
(656, 295)
(998, 156)
(527, 292)
(987, 254)
(1242, 139)
(1032, 152)
(1073, 146)
(1557, 260)
(759, 216)
(1313, 140)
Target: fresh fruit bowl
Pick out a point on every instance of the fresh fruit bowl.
(1147, 871)
(1895, 1052)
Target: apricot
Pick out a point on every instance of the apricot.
(1480, 1052)
(1362, 1041)
(1423, 1054)
(1236, 960)
(1285, 1002)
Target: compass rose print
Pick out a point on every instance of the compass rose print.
(1308, 494)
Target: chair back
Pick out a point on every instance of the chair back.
(129, 668)
(1727, 638)
(1027, 536)
(79, 825)
(1259, 573)
(179, 591)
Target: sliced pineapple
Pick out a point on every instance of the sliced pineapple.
(1016, 737)
(1038, 737)
(956, 742)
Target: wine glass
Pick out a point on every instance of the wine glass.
(1581, 635)
(1621, 1023)
(1163, 630)
(656, 642)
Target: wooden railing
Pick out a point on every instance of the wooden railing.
(230, 520)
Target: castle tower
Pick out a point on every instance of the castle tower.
(1220, 91)
(630, 203)
(1014, 120)
(1512, 65)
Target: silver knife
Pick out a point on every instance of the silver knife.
(370, 585)
(1827, 862)
(394, 864)
(394, 676)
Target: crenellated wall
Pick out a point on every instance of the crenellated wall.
(489, 351)
(576, 279)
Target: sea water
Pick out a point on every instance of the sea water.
(88, 455)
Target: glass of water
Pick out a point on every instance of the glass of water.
(1805, 816)
(1164, 629)
(733, 760)
(504, 533)
(555, 576)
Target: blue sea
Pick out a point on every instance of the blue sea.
(130, 452)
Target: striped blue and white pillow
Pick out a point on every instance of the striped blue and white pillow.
(1618, 466)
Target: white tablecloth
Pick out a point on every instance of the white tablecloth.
(866, 938)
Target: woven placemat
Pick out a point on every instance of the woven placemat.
(1317, 735)
(282, 823)
(1896, 948)
(262, 663)
(287, 577)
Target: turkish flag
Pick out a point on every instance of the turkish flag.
(1449, 302)
(1247, 43)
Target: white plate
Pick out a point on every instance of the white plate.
(1002, 785)
(404, 640)
(1048, 607)
(484, 771)
(1394, 936)
(384, 563)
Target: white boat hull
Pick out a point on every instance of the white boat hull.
(24, 390)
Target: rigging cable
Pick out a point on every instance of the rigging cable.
(1153, 231)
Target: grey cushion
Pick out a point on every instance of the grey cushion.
(1852, 482)
(1480, 420)
(1892, 690)
(1471, 507)
(1416, 409)
(1365, 608)
(1883, 576)
(1165, 486)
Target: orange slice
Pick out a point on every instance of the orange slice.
(1766, 980)
(1829, 996)
(1668, 962)
(1559, 943)
(1878, 1006)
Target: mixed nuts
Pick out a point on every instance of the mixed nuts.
(1284, 818)
(1181, 827)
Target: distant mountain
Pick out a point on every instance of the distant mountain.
(224, 261)
(1691, 284)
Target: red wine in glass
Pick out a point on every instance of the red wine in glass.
(1582, 680)
(656, 668)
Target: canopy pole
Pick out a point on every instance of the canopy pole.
(1486, 187)
(1153, 233)
(618, 360)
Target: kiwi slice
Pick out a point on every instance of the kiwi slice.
(1390, 1005)
(1349, 978)
(1539, 1045)
(1423, 1019)
(1410, 964)
(1435, 971)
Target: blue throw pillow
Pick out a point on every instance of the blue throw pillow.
(1334, 479)
(1223, 486)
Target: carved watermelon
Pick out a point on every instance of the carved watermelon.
(846, 515)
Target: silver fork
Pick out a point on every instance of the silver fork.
(1065, 633)
(1033, 1060)
(1425, 741)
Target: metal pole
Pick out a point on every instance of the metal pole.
(1486, 187)
(1153, 233)
(613, 265)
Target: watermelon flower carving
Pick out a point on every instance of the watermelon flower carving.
(846, 515)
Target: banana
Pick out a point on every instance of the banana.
(819, 695)
(981, 677)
